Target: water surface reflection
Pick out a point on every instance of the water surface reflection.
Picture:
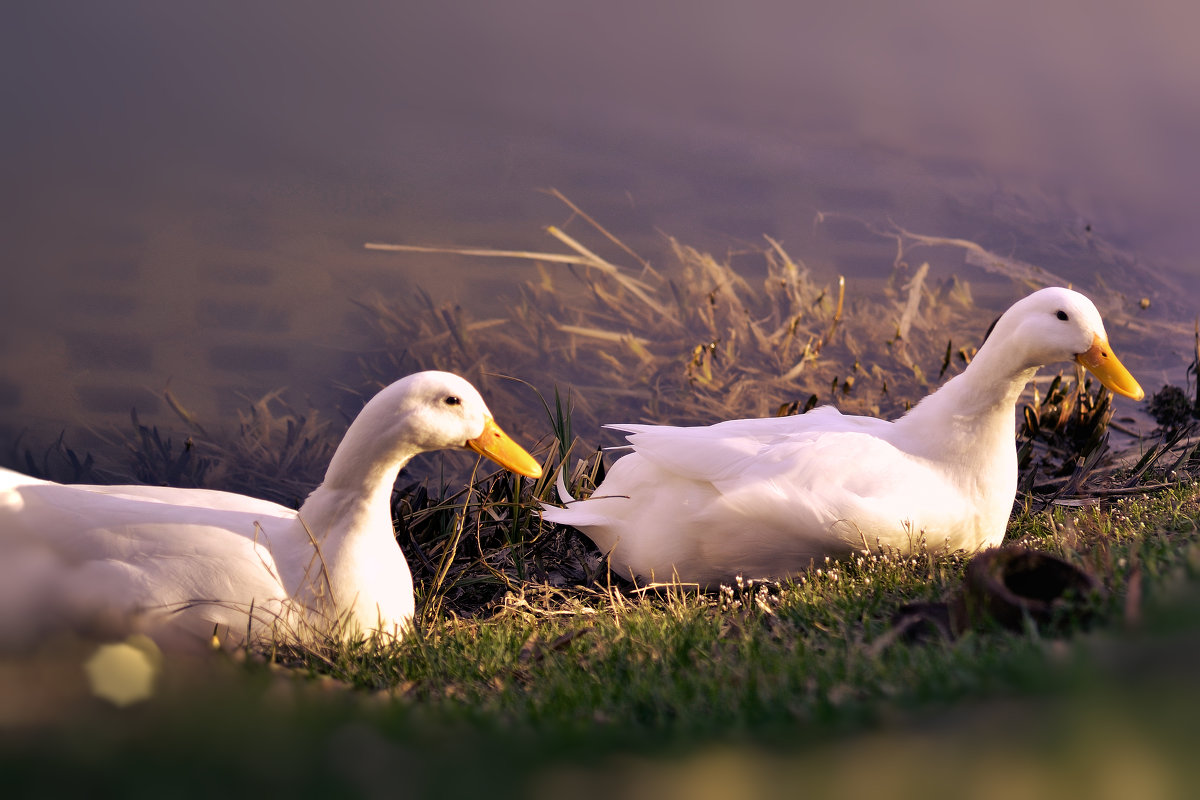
(188, 190)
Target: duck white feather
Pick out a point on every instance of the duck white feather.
(179, 564)
(766, 498)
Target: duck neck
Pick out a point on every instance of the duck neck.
(354, 500)
(973, 412)
(364, 581)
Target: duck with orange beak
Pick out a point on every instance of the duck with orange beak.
(768, 498)
(192, 566)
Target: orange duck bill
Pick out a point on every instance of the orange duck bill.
(496, 445)
(1103, 363)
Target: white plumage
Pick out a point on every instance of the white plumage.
(181, 564)
(766, 498)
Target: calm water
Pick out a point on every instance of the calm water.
(187, 192)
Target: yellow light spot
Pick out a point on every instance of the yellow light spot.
(124, 673)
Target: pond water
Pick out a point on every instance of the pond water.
(187, 191)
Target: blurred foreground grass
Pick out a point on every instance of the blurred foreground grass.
(752, 690)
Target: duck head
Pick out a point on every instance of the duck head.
(443, 411)
(1058, 324)
(423, 412)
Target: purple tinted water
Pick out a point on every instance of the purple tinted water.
(187, 190)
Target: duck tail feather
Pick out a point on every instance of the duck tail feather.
(559, 514)
(564, 494)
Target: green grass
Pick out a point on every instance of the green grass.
(584, 688)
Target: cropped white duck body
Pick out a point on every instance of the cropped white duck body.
(181, 564)
(766, 498)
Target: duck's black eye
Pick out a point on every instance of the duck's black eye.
(452, 400)
(1062, 315)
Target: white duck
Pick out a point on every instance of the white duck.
(765, 498)
(183, 564)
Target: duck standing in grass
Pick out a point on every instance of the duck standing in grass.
(185, 565)
(766, 498)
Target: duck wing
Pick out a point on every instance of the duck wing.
(761, 498)
(717, 452)
(197, 498)
(108, 561)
